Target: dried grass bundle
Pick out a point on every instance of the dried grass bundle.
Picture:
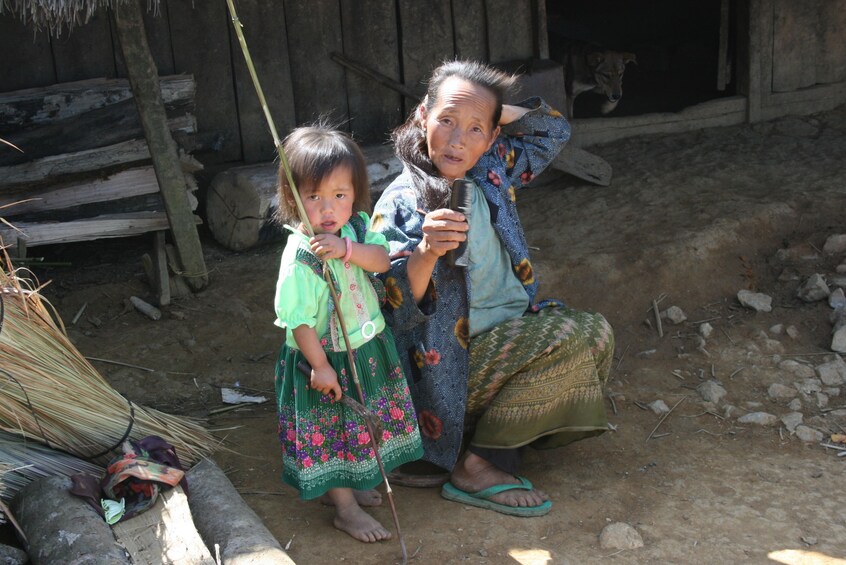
(22, 462)
(58, 14)
(50, 393)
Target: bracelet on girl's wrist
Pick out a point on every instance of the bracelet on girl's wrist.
(348, 243)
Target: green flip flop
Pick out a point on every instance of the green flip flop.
(482, 499)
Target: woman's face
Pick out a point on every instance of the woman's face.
(459, 128)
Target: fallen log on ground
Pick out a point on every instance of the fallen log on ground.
(61, 528)
(242, 537)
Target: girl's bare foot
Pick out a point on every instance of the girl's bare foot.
(472, 474)
(370, 497)
(350, 518)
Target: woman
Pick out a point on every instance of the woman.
(481, 356)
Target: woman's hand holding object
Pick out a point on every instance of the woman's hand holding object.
(443, 230)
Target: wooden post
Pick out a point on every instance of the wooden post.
(144, 79)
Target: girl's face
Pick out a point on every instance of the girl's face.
(330, 205)
(459, 127)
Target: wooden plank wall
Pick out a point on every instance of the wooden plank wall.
(809, 43)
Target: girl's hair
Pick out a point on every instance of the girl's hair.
(410, 138)
(313, 152)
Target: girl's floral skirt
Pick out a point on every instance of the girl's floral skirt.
(325, 444)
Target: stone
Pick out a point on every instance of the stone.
(808, 434)
(706, 329)
(822, 400)
(832, 373)
(792, 332)
(800, 370)
(837, 299)
(758, 418)
(659, 407)
(832, 391)
(813, 289)
(808, 386)
(778, 390)
(795, 405)
(711, 391)
(12, 555)
(838, 281)
(731, 411)
(791, 420)
(838, 340)
(674, 314)
(777, 329)
(620, 535)
(755, 300)
(841, 268)
(835, 244)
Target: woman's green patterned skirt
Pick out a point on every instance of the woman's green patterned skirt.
(538, 380)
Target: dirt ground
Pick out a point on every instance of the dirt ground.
(692, 218)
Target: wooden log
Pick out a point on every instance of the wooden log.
(241, 202)
(62, 528)
(164, 533)
(117, 225)
(583, 165)
(54, 168)
(147, 94)
(33, 106)
(105, 126)
(243, 538)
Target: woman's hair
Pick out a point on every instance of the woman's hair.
(313, 152)
(410, 138)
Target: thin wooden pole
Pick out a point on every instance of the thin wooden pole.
(327, 275)
(144, 79)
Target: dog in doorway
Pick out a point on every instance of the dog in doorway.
(591, 68)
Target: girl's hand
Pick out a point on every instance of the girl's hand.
(328, 246)
(443, 230)
(325, 381)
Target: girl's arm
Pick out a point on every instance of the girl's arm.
(371, 258)
(323, 377)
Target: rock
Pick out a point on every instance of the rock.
(777, 391)
(620, 535)
(822, 400)
(841, 268)
(755, 300)
(796, 253)
(838, 281)
(792, 332)
(12, 555)
(795, 405)
(730, 411)
(711, 391)
(797, 369)
(832, 391)
(832, 373)
(758, 418)
(753, 405)
(659, 407)
(813, 289)
(808, 434)
(808, 386)
(706, 329)
(837, 318)
(835, 244)
(777, 329)
(838, 340)
(791, 420)
(837, 299)
(788, 275)
(773, 345)
(674, 314)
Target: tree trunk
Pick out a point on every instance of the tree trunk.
(144, 79)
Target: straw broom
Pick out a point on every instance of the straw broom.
(51, 394)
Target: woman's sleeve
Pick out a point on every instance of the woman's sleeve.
(298, 292)
(528, 145)
(397, 218)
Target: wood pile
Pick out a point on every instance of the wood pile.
(83, 171)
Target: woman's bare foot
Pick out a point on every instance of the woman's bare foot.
(370, 497)
(472, 474)
(350, 518)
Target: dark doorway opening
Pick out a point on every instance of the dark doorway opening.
(677, 45)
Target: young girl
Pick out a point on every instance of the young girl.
(326, 448)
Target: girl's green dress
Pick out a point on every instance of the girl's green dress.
(324, 444)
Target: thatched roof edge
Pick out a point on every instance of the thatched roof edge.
(56, 15)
